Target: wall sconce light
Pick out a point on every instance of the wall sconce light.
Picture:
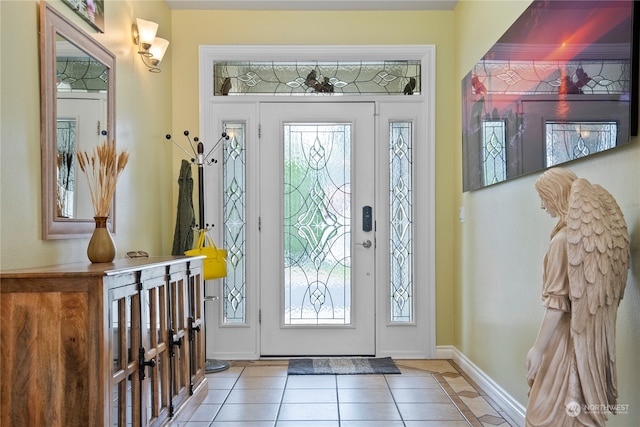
(150, 48)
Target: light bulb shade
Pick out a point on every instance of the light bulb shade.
(158, 49)
(146, 31)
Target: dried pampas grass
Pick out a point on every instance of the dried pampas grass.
(102, 170)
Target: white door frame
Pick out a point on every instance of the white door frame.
(390, 338)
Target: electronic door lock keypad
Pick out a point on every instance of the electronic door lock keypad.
(367, 218)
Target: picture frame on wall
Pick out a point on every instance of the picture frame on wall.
(91, 11)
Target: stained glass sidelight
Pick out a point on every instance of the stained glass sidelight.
(569, 141)
(494, 151)
(400, 77)
(401, 215)
(317, 224)
(234, 213)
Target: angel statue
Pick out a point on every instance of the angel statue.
(571, 369)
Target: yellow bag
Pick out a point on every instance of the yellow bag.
(215, 263)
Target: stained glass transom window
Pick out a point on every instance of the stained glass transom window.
(401, 214)
(316, 78)
(317, 224)
(234, 213)
(494, 151)
(569, 141)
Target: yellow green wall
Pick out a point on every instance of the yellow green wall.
(488, 268)
(145, 209)
(499, 249)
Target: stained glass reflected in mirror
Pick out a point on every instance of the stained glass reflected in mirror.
(568, 141)
(66, 136)
(562, 63)
(81, 123)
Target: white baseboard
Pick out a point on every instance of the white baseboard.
(444, 352)
(511, 406)
(233, 356)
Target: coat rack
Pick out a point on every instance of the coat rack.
(199, 158)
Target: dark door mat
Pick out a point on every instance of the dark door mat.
(342, 366)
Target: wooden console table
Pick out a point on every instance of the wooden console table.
(110, 344)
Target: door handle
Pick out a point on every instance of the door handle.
(143, 363)
(366, 244)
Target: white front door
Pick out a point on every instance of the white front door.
(317, 242)
(281, 295)
(300, 277)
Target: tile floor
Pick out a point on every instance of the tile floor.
(428, 393)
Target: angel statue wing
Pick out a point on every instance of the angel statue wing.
(598, 255)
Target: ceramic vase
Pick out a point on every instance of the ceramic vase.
(101, 246)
